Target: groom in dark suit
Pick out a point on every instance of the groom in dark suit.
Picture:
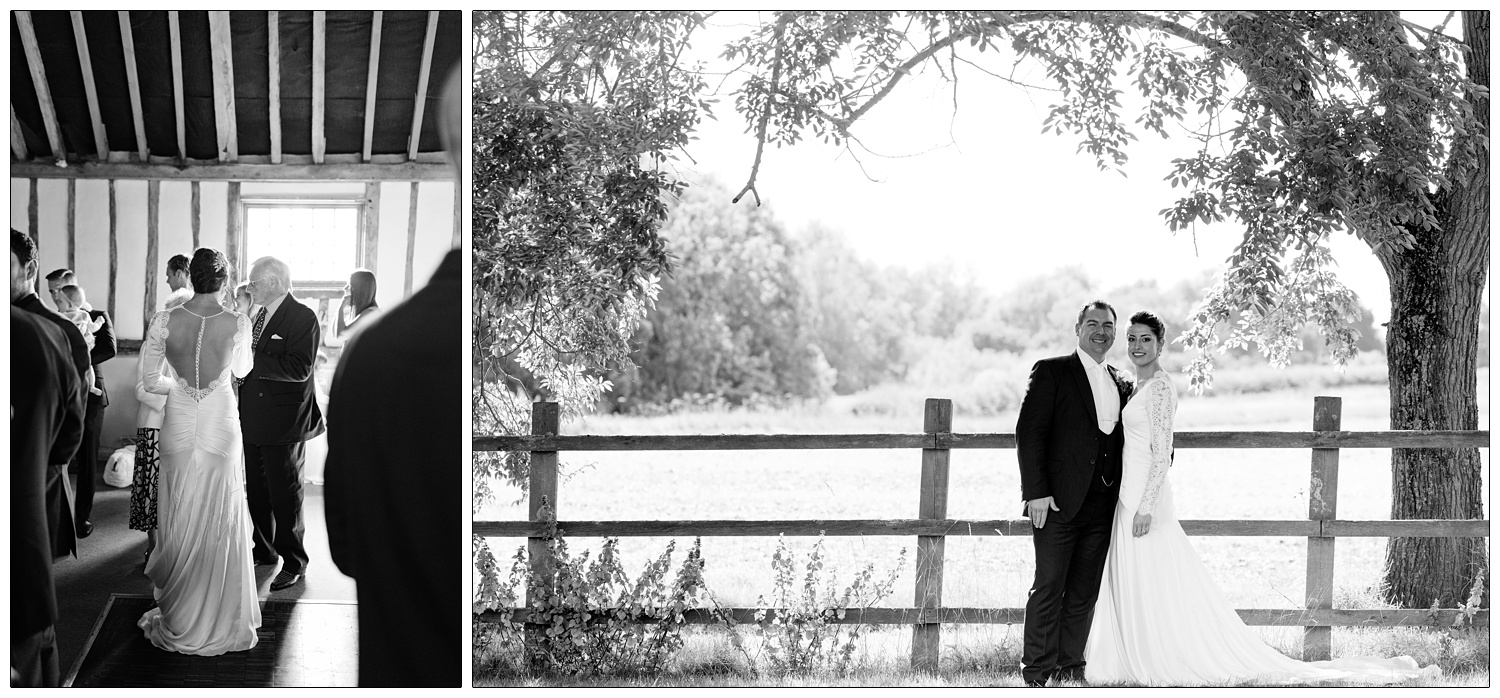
(1068, 441)
(278, 414)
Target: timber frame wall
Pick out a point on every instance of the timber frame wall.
(117, 234)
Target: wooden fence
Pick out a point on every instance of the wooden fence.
(1322, 527)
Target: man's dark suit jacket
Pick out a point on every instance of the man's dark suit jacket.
(1057, 433)
(394, 485)
(46, 427)
(78, 350)
(278, 401)
(104, 350)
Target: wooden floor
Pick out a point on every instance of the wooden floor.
(302, 643)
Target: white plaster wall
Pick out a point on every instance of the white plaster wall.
(390, 271)
(174, 233)
(214, 213)
(434, 230)
(51, 235)
(131, 211)
(20, 199)
(91, 242)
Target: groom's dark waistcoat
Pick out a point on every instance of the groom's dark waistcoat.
(1058, 437)
(278, 401)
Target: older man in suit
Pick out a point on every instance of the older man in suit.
(46, 426)
(1068, 443)
(87, 459)
(278, 414)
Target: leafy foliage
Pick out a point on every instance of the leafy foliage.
(801, 635)
(589, 617)
(574, 114)
(1336, 121)
(729, 321)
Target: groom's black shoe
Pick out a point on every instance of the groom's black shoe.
(85, 529)
(285, 579)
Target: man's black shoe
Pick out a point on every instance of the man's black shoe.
(85, 529)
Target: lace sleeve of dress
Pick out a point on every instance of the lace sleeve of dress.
(242, 359)
(154, 356)
(1160, 410)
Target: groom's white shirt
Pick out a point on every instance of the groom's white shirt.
(1106, 397)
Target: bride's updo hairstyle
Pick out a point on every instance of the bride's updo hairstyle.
(208, 271)
(1149, 319)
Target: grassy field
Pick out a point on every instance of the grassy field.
(988, 571)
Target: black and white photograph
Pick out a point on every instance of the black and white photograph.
(237, 433)
(995, 348)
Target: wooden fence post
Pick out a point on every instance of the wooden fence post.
(926, 637)
(542, 490)
(1322, 505)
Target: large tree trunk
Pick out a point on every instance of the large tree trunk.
(1431, 349)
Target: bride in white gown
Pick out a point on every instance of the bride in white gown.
(204, 579)
(1160, 619)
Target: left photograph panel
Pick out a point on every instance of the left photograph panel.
(238, 454)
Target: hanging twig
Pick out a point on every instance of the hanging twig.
(765, 117)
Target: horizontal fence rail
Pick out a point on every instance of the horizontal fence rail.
(1406, 528)
(1181, 439)
(1322, 528)
(1015, 616)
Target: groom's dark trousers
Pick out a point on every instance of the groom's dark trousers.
(1064, 455)
(278, 413)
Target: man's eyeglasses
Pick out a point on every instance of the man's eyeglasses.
(256, 282)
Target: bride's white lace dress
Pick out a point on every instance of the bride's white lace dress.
(1160, 619)
(201, 568)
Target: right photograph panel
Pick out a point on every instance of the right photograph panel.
(980, 348)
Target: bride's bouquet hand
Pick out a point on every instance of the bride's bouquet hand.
(1141, 525)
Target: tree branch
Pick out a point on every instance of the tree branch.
(765, 116)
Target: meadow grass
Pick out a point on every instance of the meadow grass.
(982, 571)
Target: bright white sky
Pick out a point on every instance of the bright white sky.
(984, 188)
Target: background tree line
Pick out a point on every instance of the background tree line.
(752, 313)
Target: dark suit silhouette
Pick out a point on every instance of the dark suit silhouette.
(78, 350)
(278, 412)
(46, 427)
(87, 458)
(1063, 455)
(394, 485)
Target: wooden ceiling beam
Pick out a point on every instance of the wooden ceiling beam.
(221, 46)
(176, 31)
(273, 55)
(17, 137)
(239, 171)
(90, 91)
(370, 83)
(127, 39)
(421, 98)
(39, 81)
(319, 86)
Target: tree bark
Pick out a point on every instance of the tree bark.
(1431, 352)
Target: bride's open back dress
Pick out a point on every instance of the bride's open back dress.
(1160, 619)
(201, 569)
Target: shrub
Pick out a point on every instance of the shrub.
(587, 617)
(801, 634)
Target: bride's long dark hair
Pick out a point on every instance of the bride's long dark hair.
(361, 295)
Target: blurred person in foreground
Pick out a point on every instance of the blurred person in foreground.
(396, 468)
(46, 428)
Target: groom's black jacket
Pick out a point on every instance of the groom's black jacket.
(1057, 433)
